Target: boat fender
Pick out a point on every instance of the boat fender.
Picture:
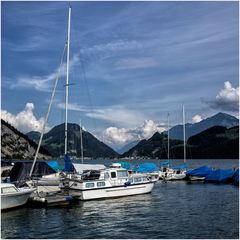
(126, 184)
(69, 198)
(39, 199)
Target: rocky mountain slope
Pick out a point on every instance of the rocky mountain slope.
(53, 141)
(16, 145)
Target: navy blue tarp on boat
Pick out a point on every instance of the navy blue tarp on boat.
(145, 167)
(68, 164)
(200, 172)
(235, 177)
(21, 170)
(220, 176)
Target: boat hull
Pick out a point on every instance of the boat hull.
(196, 178)
(9, 201)
(112, 192)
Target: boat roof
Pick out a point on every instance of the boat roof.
(3, 185)
(81, 167)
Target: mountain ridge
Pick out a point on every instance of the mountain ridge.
(219, 119)
(53, 141)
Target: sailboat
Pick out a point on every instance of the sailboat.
(176, 172)
(51, 182)
(114, 181)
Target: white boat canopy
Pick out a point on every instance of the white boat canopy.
(81, 167)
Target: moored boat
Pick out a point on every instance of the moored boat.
(220, 176)
(12, 197)
(114, 181)
(198, 174)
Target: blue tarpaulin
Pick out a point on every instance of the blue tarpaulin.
(164, 163)
(235, 177)
(220, 176)
(200, 172)
(55, 165)
(126, 165)
(145, 167)
(68, 164)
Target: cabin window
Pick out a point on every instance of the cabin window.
(9, 190)
(122, 174)
(101, 184)
(145, 179)
(113, 175)
(137, 179)
(130, 180)
(106, 175)
(89, 185)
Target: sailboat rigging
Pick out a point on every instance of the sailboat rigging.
(177, 172)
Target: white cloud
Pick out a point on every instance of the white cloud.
(133, 63)
(72, 106)
(118, 137)
(228, 94)
(197, 118)
(118, 45)
(227, 99)
(118, 114)
(24, 121)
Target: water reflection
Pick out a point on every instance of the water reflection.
(172, 210)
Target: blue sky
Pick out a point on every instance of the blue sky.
(132, 62)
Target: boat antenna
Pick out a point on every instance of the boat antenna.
(67, 78)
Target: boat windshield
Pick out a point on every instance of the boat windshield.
(122, 173)
(9, 190)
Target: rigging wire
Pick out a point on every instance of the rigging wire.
(48, 112)
(83, 73)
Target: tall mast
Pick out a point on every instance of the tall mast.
(184, 137)
(66, 98)
(81, 141)
(168, 134)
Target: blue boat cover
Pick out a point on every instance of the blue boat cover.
(125, 165)
(68, 164)
(200, 172)
(164, 163)
(145, 167)
(220, 176)
(55, 165)
(184, 166)
(235, 177)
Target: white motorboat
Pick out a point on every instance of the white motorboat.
(114, 181)
(12, 196)
(172, 174)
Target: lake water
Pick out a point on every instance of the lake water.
(173, 210)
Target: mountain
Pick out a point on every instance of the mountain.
(16, 145)
(128, 146)
(53, 141)
(33, 135)
(220, 119)
(154, 147)
(214, 143)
